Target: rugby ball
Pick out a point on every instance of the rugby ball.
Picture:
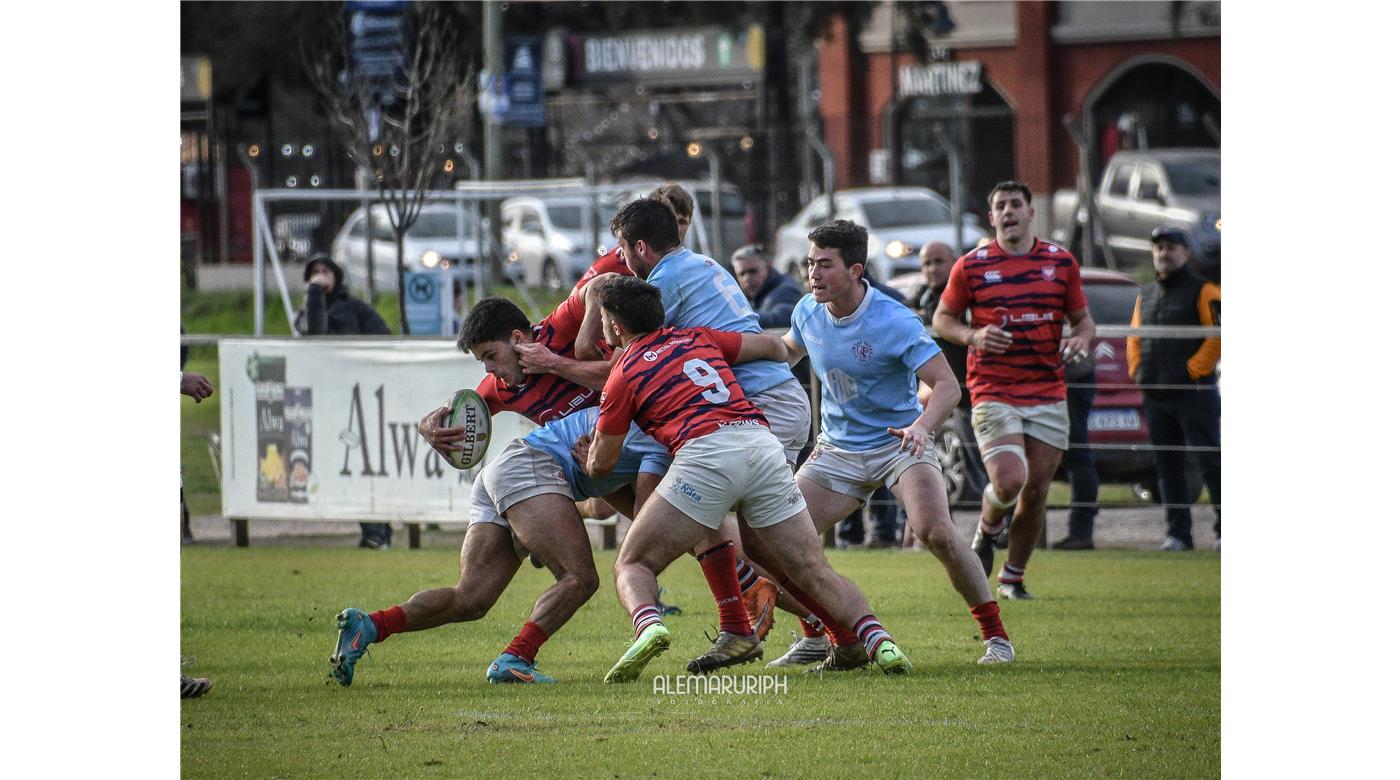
(470, 411)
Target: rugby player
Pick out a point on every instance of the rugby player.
(1020, 291)
(521, 503)
(870, 352)
(493, 331)
(678, 385)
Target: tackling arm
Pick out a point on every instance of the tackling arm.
(536, 358)
(602, 454)
(761, 346)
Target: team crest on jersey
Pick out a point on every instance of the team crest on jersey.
(649, 356)
(1047, 272)
(992, 276)
(981, 254)
(1051, 248)
(862, 350)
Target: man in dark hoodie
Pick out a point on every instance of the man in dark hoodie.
(331, 310)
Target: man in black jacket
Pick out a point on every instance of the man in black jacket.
(331, 310)
(1178, 381)
(773, 296)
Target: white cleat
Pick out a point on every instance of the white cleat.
(999, 651)
(806, 650)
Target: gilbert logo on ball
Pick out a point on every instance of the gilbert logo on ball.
(469, 411)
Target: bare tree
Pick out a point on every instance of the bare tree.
(398, 128)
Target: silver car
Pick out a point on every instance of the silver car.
(900, 220)
(442, 234)
(549, 241)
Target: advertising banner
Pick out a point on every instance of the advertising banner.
(327, 429)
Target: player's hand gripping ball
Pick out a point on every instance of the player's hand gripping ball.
(471, 413)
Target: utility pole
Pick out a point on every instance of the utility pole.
(492, 153)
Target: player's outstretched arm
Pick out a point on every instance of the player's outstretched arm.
(943, 396)
(536, 358)
(591, 329)
(761, 346)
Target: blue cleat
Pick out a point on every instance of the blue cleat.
(511, 668)
(357, 631)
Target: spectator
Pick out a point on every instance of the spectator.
(935, 261)
(198, 387)
(772, 295)
(331, 310)
(1178, 381)
(1080, 388)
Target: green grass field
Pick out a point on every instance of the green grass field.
(1118, 674)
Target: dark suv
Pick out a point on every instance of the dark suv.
(1116, 421)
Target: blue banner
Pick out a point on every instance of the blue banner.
(426, 311)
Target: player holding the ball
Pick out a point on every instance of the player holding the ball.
(523, 501)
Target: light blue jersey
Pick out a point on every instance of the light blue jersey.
(866, 363)
(640, 454)
(698, 293)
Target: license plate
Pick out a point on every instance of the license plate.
(1114, 420)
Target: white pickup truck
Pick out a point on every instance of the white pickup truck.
(1139, 191)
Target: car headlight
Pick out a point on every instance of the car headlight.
(513, 257)
(430, 258)
(1210, 221)
(898, 249)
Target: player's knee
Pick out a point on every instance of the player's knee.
(939, 540)
(469, 607)
(583, 584)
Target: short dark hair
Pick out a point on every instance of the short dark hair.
(1010, 185)
(675, 195)
(845, 235)
(647, 220)
(633, 302)
(491, 319)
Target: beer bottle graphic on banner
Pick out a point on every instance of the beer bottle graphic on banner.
(298, 418)
(269, 374)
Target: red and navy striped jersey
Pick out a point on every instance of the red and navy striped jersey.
(611, 263)
(676, 383)
(1027, 296)
(543, 397)
(568, 316)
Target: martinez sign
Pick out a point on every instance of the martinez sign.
(941, 78)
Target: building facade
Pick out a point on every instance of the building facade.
(1009, 85)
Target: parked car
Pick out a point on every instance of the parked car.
(1141, 190)
(432, 240)
(900, 220)
(1116, 420)
(736, 217)
(550, 240)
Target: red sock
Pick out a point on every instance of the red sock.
(811, 626)
(989, 618)
(388, 622)
(718, 565)
(526, 644)
(842, 635)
